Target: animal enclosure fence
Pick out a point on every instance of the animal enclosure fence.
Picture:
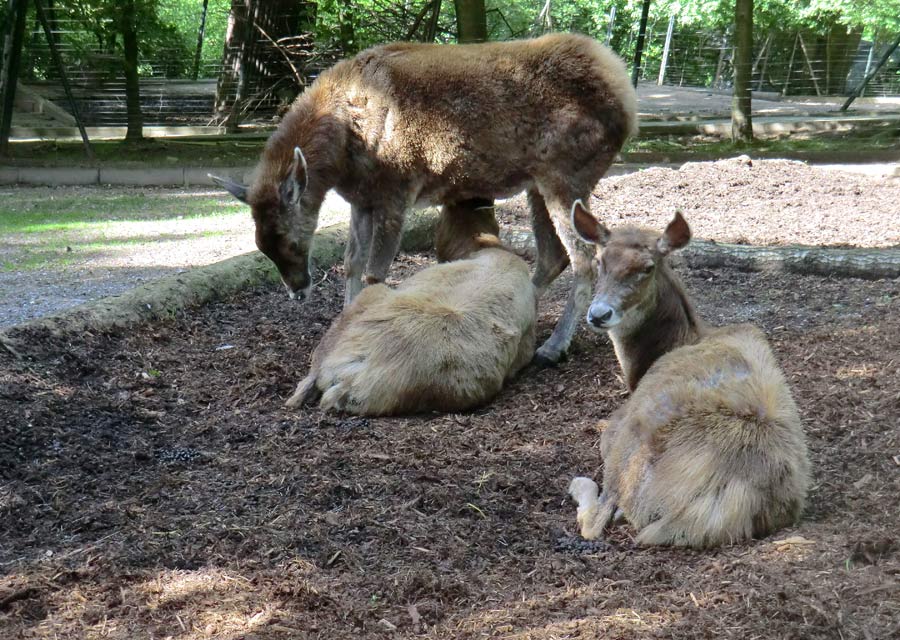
(786, 62)
(274, 64)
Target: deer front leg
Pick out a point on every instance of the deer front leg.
(356, 256)
(581, 258)
(387, 230)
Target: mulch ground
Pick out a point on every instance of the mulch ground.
(152, 485)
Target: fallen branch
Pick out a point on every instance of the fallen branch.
(838, 262)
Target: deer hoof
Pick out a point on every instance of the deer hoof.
(544, 357)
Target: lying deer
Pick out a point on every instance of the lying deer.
(446, 339)
(709, 449)
(406, 124)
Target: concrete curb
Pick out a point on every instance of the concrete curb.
(167, 296)
(766, 125)
(165, 177)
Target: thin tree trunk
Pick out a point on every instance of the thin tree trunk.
(639, 47)
(347, 30)
(9, 70)
(471, 21)
(135, 131)
(233, 119)
(57, 61)
(741, 123)
(200, 33)
(431, 27)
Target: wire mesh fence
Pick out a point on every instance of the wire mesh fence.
(785, 61)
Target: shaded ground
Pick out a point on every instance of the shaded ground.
(62, 246)
(158, 231)
(152, 485)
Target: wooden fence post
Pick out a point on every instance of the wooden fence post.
(665, 55)
(609, 26)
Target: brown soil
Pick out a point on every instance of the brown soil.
(760, 202)
(152, 485)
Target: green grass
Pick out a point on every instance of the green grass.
(195, 152)
(96, 212)
(45, 230)
(244, 151)
(883, 138)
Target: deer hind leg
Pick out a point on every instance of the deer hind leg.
(387, 230)
(581, 257)
(356, 256)
(552, 258)
(594, 514)
(307, 392)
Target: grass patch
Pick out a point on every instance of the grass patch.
(95, 212)
(47, 230)
(875, 139)
(179, 152)
(60, 253)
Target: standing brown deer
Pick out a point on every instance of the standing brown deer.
(404, 125)
(709, 449)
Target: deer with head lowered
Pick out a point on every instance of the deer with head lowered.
(405, 125)
(709, 449)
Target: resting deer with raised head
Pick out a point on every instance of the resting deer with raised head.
(709, 448)
(446, 339)
(406, 124)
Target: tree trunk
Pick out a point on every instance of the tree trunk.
(200, 33)
(471, 21)
(741, 123)
(347, 30)
(252, 63)
(639, 46)
(135, 129)
(9, 68)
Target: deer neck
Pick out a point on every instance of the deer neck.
(664, 321)
(320, 138)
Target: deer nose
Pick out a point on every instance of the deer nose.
(599, 315)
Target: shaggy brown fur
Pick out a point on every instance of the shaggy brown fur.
(445, 340)
(709, 449)
(407, 124)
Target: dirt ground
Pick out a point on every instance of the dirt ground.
(153, 486)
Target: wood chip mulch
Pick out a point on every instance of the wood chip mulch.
(152, 485)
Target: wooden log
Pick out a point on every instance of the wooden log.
(837, 262)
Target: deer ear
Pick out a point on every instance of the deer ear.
(587, 226)
(676, 235)
(239, 191)
(296, 181)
